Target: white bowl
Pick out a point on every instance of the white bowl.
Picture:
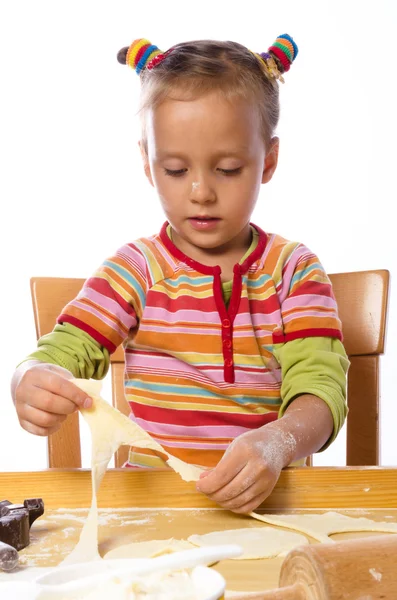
(74, 579)
(208, 583)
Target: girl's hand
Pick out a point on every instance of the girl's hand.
(44, 396)
(249, 469)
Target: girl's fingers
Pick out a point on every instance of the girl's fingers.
(50, 381)
(41, 431)
(226, 470)
(253, 503)
(59, 386)
(41, 418)
(50, 402)
(205, 473)
(246, 482)
(246, 496)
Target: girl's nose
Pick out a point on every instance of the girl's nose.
(202, 192)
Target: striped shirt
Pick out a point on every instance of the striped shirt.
(198, 373)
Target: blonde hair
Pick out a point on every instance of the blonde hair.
(193, 69)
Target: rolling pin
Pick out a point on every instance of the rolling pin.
(359, 569)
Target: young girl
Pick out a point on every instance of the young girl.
(232, 341)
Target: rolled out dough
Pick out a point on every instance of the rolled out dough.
(320, 527)
(256, 542)
(149, 549)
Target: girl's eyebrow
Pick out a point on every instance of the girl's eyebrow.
(237, 151)
(162, 155)
(221, 153)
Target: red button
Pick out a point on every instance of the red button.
(228, 362)
(225, 323)
(227, 343)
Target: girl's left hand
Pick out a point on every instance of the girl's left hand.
(249, 469)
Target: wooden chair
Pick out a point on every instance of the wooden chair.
(362, 300)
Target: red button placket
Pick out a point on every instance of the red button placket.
(227, 344)
(226, 323)
(227, 316)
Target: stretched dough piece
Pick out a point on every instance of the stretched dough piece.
(149, 549)
(109, 430)
(258, 542)
(320, 527)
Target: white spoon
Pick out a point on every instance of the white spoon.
(80, 578)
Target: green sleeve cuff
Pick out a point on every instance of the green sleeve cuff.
(75, 350)
(316, 366)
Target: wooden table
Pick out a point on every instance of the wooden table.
(159, 505)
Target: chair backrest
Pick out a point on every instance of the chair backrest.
(362, 299)
(362, 302)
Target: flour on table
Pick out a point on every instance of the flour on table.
(320, 527)
(148, 549)
(256, 542)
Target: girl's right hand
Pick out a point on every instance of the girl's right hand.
(44, 396)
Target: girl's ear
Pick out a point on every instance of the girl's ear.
(145, 160)
(271, 160)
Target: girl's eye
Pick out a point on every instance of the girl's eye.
(231, 171)
(175, 172)
(180, 172)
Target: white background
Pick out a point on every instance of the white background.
(71, 184)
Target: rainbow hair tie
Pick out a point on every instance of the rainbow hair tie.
(142, 54)
(285, 51)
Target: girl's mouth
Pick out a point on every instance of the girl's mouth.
(204, 223)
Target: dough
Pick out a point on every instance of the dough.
(149, 549)
(256, 542)
(109, 430)
(320, 527)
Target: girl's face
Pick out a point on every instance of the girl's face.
(207, 159)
